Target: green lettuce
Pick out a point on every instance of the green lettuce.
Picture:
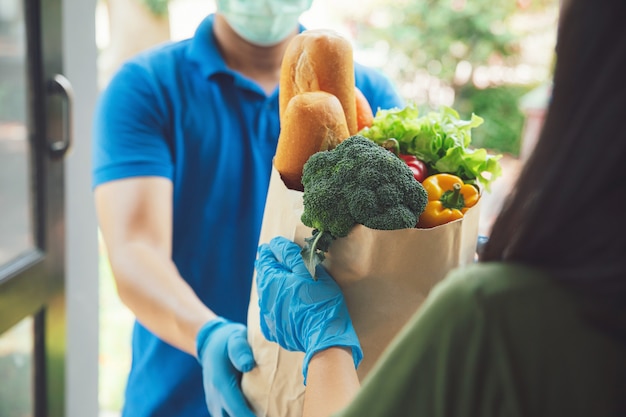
(440, 139)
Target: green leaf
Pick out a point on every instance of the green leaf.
(441, 139)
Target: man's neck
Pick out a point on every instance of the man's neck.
(261, 64)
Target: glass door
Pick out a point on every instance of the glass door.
(35, 111)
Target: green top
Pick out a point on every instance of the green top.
(498, 340)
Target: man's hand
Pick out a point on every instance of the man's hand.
(224, 353)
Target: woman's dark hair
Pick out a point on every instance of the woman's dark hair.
(566, 212)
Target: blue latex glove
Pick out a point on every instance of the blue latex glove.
(224, 353)
(297, 312)
(480, 245)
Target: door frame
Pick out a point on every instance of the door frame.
(78, 310)
(33, 284)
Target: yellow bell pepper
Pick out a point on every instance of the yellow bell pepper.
(448, 199)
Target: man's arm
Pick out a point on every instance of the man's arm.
(135, 217)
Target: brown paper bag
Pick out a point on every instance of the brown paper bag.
(385, 276)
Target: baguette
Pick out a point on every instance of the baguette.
(312, 121)
(319, 60)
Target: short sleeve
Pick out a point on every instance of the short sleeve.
(438, 365)
(130, 128)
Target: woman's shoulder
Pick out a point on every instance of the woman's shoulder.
(524, 301)
(506, 295)
(493, 280)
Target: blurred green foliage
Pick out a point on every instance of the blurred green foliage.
(15, 397)
(158, 7)
(116, 323)
(438, 34)
(427, 40)
(499, 107)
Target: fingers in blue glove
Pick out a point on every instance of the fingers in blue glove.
(240, 352)
(297, 312)
(224, 353)
(282, 254)
(288, 254)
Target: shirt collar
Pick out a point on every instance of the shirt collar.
(203, 49)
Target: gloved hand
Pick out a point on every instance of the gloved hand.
(297, 312)
(480, 245)
(224, 353)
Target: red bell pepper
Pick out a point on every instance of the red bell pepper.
(418, 167)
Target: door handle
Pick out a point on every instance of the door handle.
(59, 85)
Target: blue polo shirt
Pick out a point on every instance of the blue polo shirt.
(177, 111)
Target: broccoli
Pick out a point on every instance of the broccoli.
(358, 182)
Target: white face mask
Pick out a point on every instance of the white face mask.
(263, 22)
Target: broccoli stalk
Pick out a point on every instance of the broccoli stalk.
(358, 182)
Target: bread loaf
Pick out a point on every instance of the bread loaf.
(311, 122)
(320, 60)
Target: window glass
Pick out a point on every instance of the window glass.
(16, 366)
(15, 216)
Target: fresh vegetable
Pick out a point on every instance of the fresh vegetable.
(419, 169)
(449, 198)
(358, 182)
(439, 139)
(364, 113)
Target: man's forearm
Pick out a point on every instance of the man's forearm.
(150, 285)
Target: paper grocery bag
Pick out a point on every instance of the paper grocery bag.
(385, 276)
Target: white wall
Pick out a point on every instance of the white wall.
(80, 67)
